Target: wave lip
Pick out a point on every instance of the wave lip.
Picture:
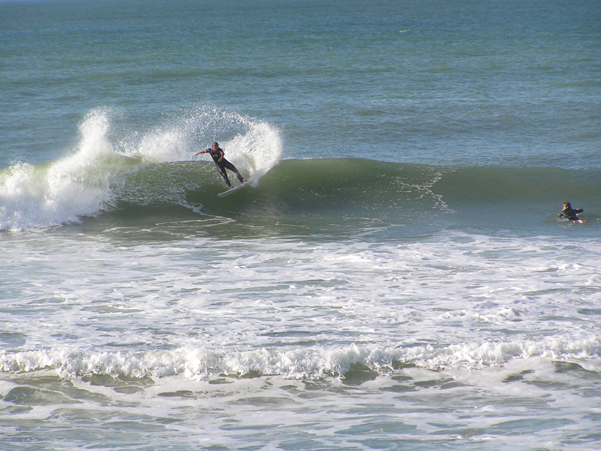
(63, 191)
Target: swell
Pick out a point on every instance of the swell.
(330, 189)
(343, 188)
(323, 183)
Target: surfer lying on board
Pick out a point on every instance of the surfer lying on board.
(222, 164)
(570, 213)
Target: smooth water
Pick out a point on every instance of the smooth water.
(396, 277)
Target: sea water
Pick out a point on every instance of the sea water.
(396, 277)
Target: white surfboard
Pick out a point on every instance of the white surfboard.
(233, 190)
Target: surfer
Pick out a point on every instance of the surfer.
(222, 164)
(570, 213)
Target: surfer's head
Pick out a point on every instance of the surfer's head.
(567, 205)
(215, 145)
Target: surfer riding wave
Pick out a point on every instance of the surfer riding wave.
(217, 154)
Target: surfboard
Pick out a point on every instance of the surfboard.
(233, 190)
(574, 220)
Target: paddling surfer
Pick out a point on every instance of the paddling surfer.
(222, 164)
(570, 213)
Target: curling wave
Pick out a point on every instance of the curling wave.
(104, 168)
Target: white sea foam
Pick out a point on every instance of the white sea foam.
(420, 335)
(300, 363)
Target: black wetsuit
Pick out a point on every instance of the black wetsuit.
(223, 165)
(571, 213)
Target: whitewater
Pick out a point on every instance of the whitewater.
(456, 338)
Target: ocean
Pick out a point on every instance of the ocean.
(396, 276)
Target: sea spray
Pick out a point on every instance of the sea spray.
(255, 146)
(62, 191)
